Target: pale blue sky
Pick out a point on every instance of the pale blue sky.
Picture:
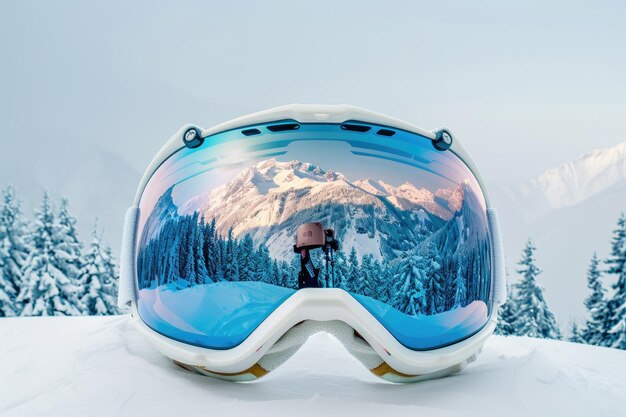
(543, 81)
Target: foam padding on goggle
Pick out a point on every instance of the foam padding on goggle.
(297, 336)
(288, 344)
(386, 372)
(254, 372)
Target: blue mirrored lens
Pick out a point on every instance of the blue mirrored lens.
(218, 227)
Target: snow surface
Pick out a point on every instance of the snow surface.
(101, 366)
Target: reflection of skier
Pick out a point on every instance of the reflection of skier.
(311, 236)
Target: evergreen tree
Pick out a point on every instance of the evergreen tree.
(187, 250)
(382, 291)
(277, 276)
(615, 325)
(410, 293)
(264, 262)
(354, 282)
(211, 251)
(202, 273)
(576, 336)
(433, 281)
(506, 315)
(593, 331)
(292, 272)
(340, 278)
(460, 289)
(13, 252)
(68, 245)
(47, 290)
(534, 318)
(231, 258)
(368, 278)
(166, 257)
(98, 280)
(247, 262)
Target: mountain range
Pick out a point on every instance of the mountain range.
(570, 212)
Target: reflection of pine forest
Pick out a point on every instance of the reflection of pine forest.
(188, 251)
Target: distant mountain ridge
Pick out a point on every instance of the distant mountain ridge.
(569, 211)
(572, 182)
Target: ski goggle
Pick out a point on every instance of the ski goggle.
(248, 237)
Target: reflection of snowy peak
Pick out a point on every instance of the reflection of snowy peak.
(408, 197)
(458, 233)
(165, 209)
(271, 199)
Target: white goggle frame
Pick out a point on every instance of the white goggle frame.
(311, 310)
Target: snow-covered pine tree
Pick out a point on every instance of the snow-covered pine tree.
(247, 259)
(534, 318)
(264, 265)
(68, 244)
(8, 292)
(616, 265)
(341, 271)
(211, 254)
(98, 279)
(188, 250)
(367, 281)
(383, 287)
(593, 331)
(506, 315)
(68, 247)
(47, 291)
(202, 273)
(231, 258)
(460, 289)
(576, 336)
(354, 272)
(433, 281)
(410, 295)
(292, 272)
(13, 252)
(277, 277)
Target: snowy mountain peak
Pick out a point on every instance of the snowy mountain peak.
(590, 174)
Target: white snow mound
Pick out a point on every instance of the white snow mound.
(100, 366)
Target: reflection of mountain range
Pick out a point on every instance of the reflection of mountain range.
(271, 199)
(164, 210)
(455, 234)
(569, 211)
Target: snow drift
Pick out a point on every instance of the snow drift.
(100, 366)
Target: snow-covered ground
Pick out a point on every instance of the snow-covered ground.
(100, 366)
